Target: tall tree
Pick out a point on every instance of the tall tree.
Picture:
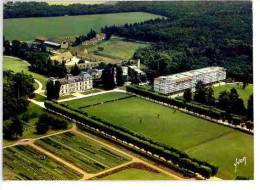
(200, 92)
(187, 95)
(108, 77)
(210, 99)
(75, 70)
(119, 76)
(250, 107)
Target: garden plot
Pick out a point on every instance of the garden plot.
(25, 163)
(82, 152)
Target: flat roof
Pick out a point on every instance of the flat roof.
(191, 73)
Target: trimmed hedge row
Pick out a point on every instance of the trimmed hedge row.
(181, 159)
(213, 113)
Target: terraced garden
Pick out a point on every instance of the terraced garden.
(82, 152)
(198, 137)
(25, 163)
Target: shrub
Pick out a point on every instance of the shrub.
(42, 128)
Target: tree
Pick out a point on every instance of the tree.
(200, 92)
(75, 70)
(53, 89)
(209, 94)
(250, 107)
(42, 128)
(119, 76)
(224, 101)
(187, 95)
(12, 128)
(108, 77)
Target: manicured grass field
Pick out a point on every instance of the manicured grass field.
(82, 152)
(25, 163)
(116, 48)
(136, 174)
(52, 27)
(17, 65)
(179, 130)
(94, 99)
(243, 93)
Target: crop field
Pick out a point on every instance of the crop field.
(182, 131)
(243, 93)
(116, 48)
(82, 152)
(136, 174)
(53, 27)
(25, 163)
(17, 65)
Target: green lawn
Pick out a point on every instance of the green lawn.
(53, 27)
(179, 130)
(117, 48)
(243, 93)
(25, 163)
(136, 174)
(94, 99)
(82, 152)
(17, 65)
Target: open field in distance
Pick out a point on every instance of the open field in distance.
(117, 48)
(53, 27)
(175, 128)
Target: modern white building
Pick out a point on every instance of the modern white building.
(178, 82)
(71, 84)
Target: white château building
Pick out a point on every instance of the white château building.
(71, 84)
(178, 82)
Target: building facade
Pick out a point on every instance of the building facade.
(71, 84)
(179, 82)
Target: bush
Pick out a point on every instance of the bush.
(42, 128)
(53, 121)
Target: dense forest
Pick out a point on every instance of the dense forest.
(194, 34)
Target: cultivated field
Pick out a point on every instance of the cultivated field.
(177, 129)
(17, 65)
(117, 48)
(82, 152)
(25, 163)
(243, 93)
(53, 27)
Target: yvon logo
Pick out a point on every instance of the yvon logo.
(239, 161)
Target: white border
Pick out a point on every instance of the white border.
(164, 185)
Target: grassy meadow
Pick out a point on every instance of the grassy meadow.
(136, 174)
(117, 48)
(53, 27)
(182, 131)
(18, 65)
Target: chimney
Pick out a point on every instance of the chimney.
(138, 63)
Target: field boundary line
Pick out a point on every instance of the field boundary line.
(209, 140)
